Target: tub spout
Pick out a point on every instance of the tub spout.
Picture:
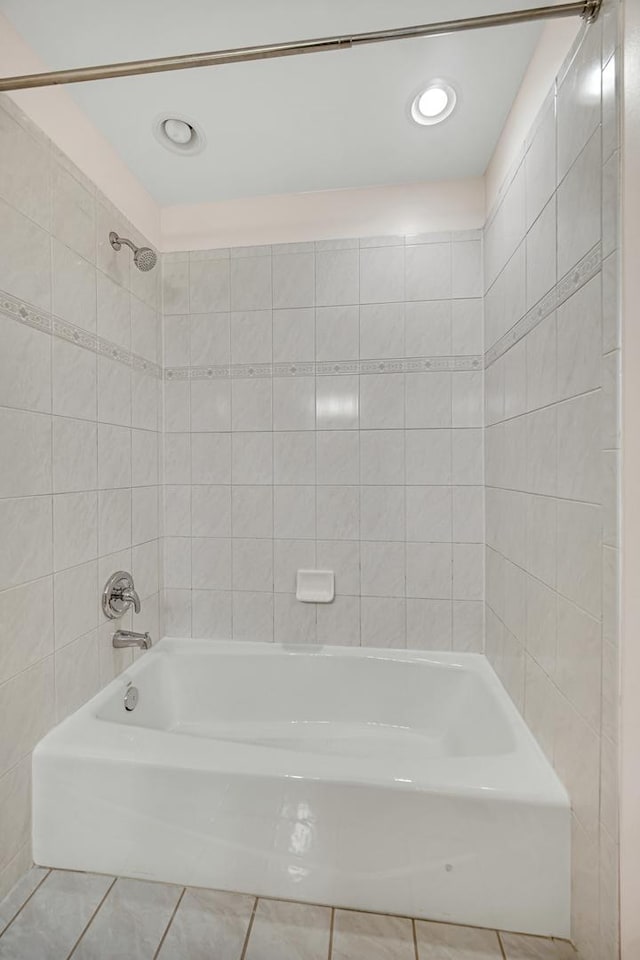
(129, 638)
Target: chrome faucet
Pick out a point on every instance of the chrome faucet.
(129, 638)
(119, 595)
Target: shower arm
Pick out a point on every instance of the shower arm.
(116, 242)
(588, 10)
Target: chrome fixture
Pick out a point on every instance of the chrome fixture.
(144, 257)
(587, 9)
(129, 638)
(131, 697)
(119, 595)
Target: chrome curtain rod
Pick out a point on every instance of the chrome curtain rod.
(587, 9)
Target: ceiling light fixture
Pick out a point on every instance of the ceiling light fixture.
(179, 133)
(434, 103)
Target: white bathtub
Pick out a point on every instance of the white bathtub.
(384, 780)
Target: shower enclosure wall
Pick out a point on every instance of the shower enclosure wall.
(323, 408)
(80, 391)
(356, 405)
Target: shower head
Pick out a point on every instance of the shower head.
(144, 257)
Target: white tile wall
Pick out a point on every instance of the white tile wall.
(330, 459)
(79, 478)
(551, 460)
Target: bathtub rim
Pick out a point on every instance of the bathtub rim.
(524, 775)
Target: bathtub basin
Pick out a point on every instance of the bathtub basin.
(391, 781)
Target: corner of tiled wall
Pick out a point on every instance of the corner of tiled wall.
(79, 479)
(552, 447)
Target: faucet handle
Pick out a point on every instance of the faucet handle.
(130, 596)
(119, 594)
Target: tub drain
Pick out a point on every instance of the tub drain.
(131, 698)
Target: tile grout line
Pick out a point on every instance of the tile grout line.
(552, 587)
(414, 920)
(501, 945)
(168, 927)
(331, 928)
(21, 908)
(415, 938)
(249, 929)
(530, 493)
(548, 406)
(92, 918)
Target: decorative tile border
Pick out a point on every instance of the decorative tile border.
(31, 316)
(341, 368)
(576, 278)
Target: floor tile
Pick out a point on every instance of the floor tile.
(208, 924)
(518, 947)
(366, 936)
(20, 893)
(289, 931)
(444, 941)
(51, 922)
(130, 923)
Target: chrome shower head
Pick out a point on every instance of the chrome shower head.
(144, 257)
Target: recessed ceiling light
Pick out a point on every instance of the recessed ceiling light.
(434, 103)
(179, 133)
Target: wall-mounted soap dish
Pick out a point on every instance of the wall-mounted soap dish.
(315, 586)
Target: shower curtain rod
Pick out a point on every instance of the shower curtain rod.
(587, 9)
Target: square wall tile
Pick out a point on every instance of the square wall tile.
(382, 622)
(294, 280)
(382, 330)
(294, 404)
(294, 512)
(467, 269)
(252, 458)
(251, 283)
(294, 332)
(293, 621)
(338, 456)
(210, 339)
(337, 333)
(75, 529)
(209, 286)
(382, 401)
(26, 470)
(27, 384)
(382, 569)
(337, 279)
(382, 274)
(579, 206)
(428, 271)
(337, 401)
(294, 457)
(251, 336)
(428, 327)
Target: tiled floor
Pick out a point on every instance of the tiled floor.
(55, 915)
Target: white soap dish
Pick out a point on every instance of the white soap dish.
(315, 586)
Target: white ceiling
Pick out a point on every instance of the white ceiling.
(306, 123)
